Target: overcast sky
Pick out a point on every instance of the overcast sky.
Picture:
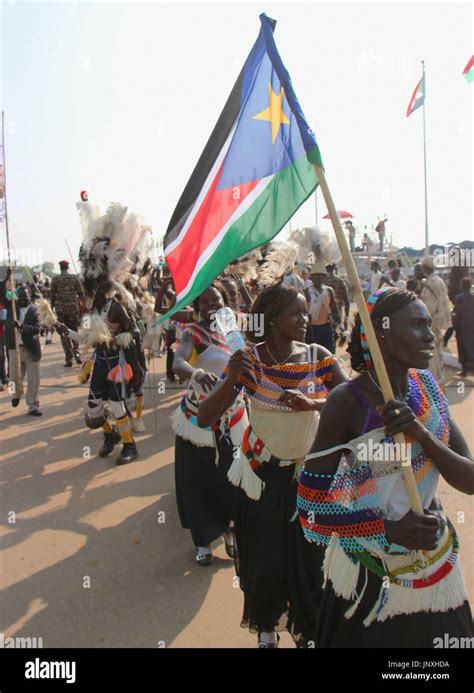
(120, 98)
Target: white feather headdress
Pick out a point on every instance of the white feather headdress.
(115, 248)
(279, 260)
(247, 266)
(315, 246)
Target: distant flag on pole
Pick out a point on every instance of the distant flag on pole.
(468, 71)
(2, 175)
(418, 97)
(256, 170)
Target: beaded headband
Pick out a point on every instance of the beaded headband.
(370, 303)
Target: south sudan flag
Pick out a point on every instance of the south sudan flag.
(254, 173)
(418, 97)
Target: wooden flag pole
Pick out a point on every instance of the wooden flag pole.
(379, 365)
(18, 383)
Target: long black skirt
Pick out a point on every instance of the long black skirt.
(204, 496)
(279, 571)
(402, 631)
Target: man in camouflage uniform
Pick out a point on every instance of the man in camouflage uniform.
(65, 293)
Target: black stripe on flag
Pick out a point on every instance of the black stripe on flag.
(206, 161)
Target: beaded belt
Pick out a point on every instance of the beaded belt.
(367, 560)
(257, 452)
(192, 416)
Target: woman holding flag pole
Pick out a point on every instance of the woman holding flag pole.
(392, 576)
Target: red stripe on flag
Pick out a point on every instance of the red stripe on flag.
(469, 65)
(413, 98)
(215, 210)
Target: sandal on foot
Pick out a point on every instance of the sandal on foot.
(264, 645)
(204, 555)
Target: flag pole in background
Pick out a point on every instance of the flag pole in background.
(377, 358)
(417, 100)
(427, 243)
(18, 381)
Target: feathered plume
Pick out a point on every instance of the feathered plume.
(148, 303)
(93, 331)
(279, 260)
(45, 313)
(114, 245)
(247, 265)
(315, 246)
(124, 296)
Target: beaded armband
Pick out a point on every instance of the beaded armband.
(343, 507)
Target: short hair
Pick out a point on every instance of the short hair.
(465, 283)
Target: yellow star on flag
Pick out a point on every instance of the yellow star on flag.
(274, 113)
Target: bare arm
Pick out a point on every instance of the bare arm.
(220, 399)
(453, 461)
(183, 369)
(244, 292)
(339, 375)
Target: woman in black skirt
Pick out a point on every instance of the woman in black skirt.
(204, 496)
(285, 381)
(393, 575)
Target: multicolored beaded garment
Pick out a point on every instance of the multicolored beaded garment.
(347, 503)
(265, 383)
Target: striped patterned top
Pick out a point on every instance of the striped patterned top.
(266, 383)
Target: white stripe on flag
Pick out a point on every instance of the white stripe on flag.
(204, 190)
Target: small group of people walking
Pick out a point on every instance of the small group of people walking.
(273, 431)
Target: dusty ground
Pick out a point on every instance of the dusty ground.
(94, 555)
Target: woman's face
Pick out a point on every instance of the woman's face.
(408, 338)
(209, 303)
(292, 322)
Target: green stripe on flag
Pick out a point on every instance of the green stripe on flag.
(269, 213)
